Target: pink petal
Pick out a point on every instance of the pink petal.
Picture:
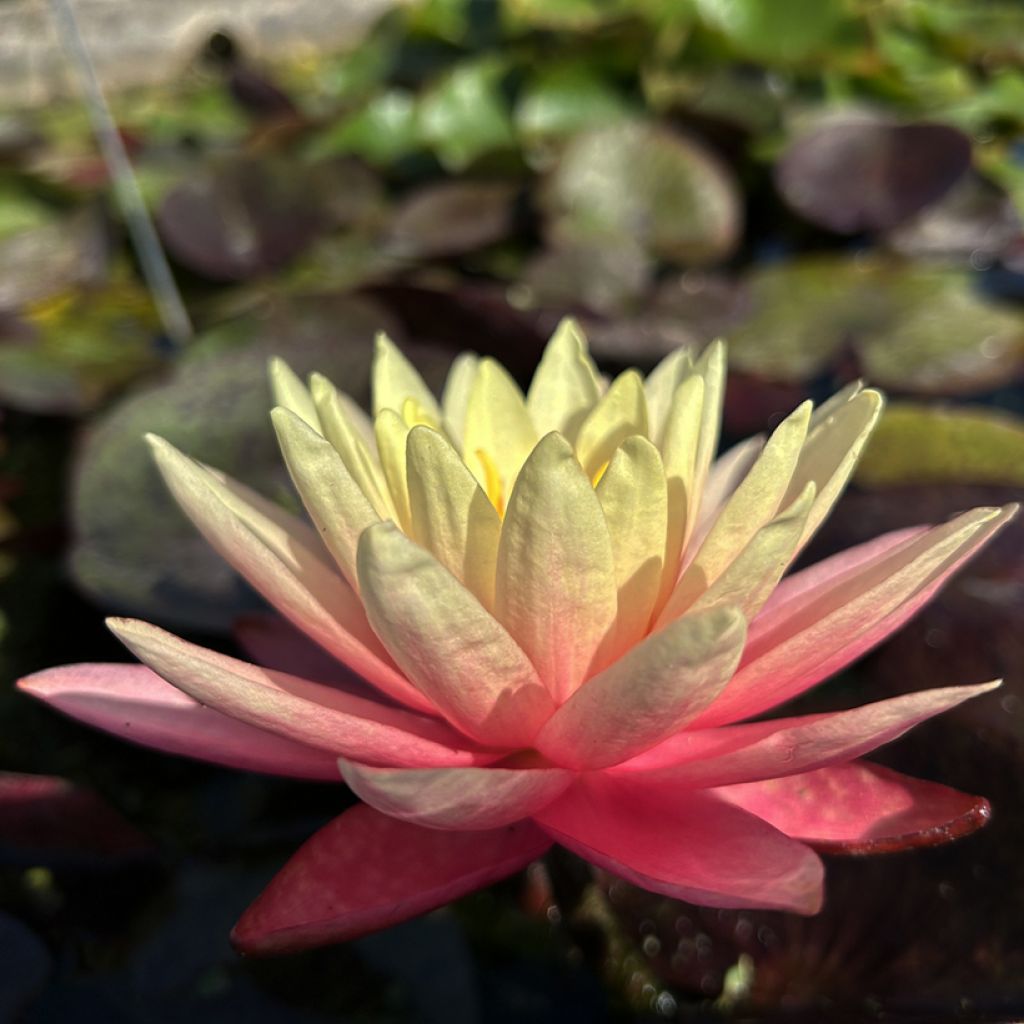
(818, 628)
(365, 871)
(689, 845)
(272, 641)
(133, 702)
(789, 746)
(456, 798)
(859, 807)
(305, 711)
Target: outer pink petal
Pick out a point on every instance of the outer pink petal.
(272, 641)
(780, 662)
(789, 746)
(456, 798)
(301, 710)
(690, 845)
(860, 808)
(365, 871)
(133, 702)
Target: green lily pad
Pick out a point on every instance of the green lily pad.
(134, 551)
(383, 131)
(781, 31)
(566, 99)
(909, 328)
(567, 15)
(923, 444)
(465, 115)
(641, 183)
(78, 348)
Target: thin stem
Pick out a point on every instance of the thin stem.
(155, 268)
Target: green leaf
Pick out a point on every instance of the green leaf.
(640, 183)
(564, 15)
(780, 31)
(381, 132)
(922, 444)
(566, 99)
(465, 116)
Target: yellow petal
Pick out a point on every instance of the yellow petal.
(679, 448)
(555, 587)
(342, 430)
(447, 643)
(752, 576)
(335, 502)
(839, 431)
(620, 413)
(634, 497)
(648, 694)
(281, 564)
(499, 433)
(455, 398)
(660, 388)
(752, 504)
(712, 369)
(290, 393)
(565, 385)
(392, 434)
(450, 515)
(394, 379)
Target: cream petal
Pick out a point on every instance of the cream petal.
(828, 626)
(392, 435)
(726, 474)
(755, 572)
(335, 502)
(447, 643)
(394, 379)
(634, 497)
(346, 433)
(450, 515)
(711, 366)
(621, 412)
(456, 798)
(754, 502)
(290, 393)
(555, 585)
(455, 398)
(307, 712)
(278, 565)
(565, 384)
(833, 447)
(660, 388)
(648, 694)
(499, 434)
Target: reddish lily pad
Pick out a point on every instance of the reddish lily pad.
(862, 172)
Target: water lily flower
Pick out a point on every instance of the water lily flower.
(570, 615)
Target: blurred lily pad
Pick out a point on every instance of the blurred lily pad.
(778, 32)
(381, 132)
(76, 349)
(240, 217)
(452, 217)
(863, 172)
(907, 328)
(571, 15)
(134, 550)
(465, 115)
(922, 444)
(564, 99)
(639, 183)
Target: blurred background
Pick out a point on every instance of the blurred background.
(834, 186)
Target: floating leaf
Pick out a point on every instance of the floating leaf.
(566, 99)
(134, 550)
(452, 217)
(382, 132)
(567, 15)
(76, 349)
(781, 31)
(638, 182)
(859, 172)
(922, 444)
(465, 116)
(239, 218)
